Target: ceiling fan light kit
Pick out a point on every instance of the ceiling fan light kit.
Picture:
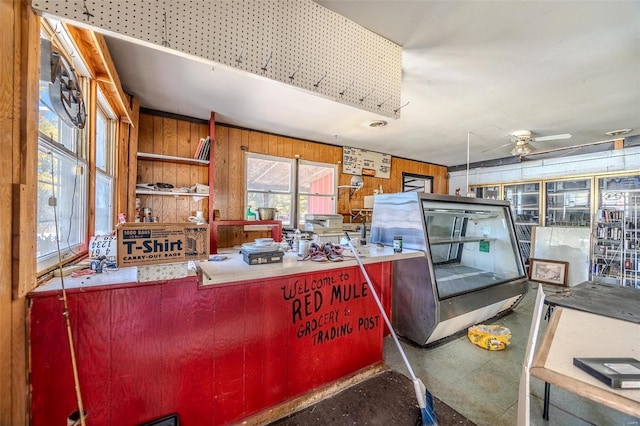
(521, 148)
(522, 138)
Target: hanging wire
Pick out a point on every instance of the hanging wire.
(264, 69)
(320, 81)
(384, 102)
(239, 57)
(367, 95)
(86, 11)
(345, 89)
(165, 38)
(292, 76)
(65, 312)
(395, 111)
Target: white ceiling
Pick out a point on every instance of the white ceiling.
(484, 67)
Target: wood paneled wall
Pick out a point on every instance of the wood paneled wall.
(172, 136)
(228, 159)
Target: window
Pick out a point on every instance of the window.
(62, 170)
(416, 183)
(105, 150)
(62, 187)
(316, 189)
(271, 182)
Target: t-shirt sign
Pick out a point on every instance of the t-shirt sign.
(365, 163)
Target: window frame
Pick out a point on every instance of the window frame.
(295, 193)
(108, 173)
(300, 194)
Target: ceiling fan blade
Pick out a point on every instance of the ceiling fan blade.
(497, 147)
(552, 137)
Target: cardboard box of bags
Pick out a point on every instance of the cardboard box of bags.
(155, 243)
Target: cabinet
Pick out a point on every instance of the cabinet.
(471, 271)
(568, 202)
(616, 233)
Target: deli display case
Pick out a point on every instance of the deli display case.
(472, 269)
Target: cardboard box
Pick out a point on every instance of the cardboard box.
(154, 243)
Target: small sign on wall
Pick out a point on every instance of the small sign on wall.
(365, 163)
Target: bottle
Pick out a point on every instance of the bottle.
(250, 214)
(296, 241)
(397, 244)
(363, 234)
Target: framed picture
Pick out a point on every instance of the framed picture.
(548, 271)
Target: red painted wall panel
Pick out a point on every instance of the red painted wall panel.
(186, 326)
(137, 368)
(213, 355)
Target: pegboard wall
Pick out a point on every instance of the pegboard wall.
(297, 42)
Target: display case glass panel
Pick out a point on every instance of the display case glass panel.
(472, 247)
(568, 203)
(525, 205)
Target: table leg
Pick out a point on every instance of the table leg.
(545, 410)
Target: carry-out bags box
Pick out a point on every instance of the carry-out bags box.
(153, 243)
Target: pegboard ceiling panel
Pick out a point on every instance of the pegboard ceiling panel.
(296, 42)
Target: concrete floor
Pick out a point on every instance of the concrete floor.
(483, 385)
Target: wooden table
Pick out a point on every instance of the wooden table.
(590, 320)
(608, 300)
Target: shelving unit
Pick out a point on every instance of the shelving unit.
(165, 151)
(616, 233)
(171, 159)
(169, 193)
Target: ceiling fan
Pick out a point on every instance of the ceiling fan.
(523, 139)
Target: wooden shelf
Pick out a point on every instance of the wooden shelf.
(171, 159)
(167, 193)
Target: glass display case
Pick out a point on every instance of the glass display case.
(525, 206)
(568, 202)
(472, 269)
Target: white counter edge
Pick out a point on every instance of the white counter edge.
(234, 269)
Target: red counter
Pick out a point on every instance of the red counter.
(211, 354)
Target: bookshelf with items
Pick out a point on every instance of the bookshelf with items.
(616, 234)
(173, 170)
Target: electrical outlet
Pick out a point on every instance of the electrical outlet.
(79, 170)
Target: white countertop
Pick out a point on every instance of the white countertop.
(234, 269)
(109, 276)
